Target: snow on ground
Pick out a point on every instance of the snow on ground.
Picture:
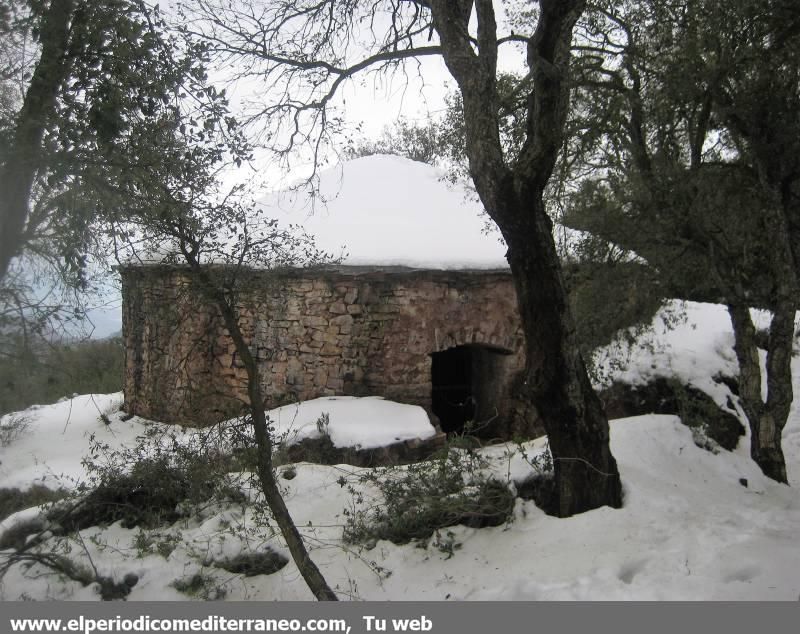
(693, 342)
(364, 423)
(46, 452)
(54, 438)
(689, 530)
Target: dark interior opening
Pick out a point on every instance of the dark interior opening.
(466, 382)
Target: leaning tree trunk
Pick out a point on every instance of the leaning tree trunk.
(23, 157)
(767, 419)
(266, 474)
(556, 379)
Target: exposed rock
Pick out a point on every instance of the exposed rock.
(668, 396)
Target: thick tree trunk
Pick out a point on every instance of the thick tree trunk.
(266, 474)
(23, 159)
(767, 419)
(556, 379)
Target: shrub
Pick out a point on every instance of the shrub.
(200, 585)
(539, 486)
(425, 497)
(253, 564)
(148, 496)
(609, 297)
(147, 543)
(12, 427)
(13, 500)
(152, 484)
(16, 537)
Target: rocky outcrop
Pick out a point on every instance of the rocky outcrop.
(669, 396)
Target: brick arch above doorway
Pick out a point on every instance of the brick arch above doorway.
(464, 336)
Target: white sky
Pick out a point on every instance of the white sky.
(389, 210)
(371, 101)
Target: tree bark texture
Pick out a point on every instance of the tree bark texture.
(266, 474)
(24, 157)
(556, 379)
(585, 469)
(767, 419)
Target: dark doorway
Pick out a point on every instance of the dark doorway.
(466, 384)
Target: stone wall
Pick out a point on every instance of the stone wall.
(319, 333)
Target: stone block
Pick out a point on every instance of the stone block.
(313, 320)
(225, 360)
(278, 368)
(344, 323)
(317, 295)
(335, 384)
(351, 295)
(331, 336)
(330, 350)
(320, 377)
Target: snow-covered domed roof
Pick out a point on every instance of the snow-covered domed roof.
(387, 210)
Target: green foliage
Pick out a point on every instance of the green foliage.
(12, 427)
(147, 496)
(422, 498)
(120, 75)
(252, 564)
(134, 130)
(681, 123)
(610, 297)
(541, 462)
(153, 484)
(200, 585)
(150, 542)
(16, 537)
(42, 374)
(539, 485)
(418, 142)
(694, 230)
(13, 500)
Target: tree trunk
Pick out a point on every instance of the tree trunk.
(767, 419)
(266, 474)
(24, 156)
(556, 378)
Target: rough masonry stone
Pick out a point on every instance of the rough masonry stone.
(333, 331)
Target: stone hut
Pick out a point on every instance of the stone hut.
(449, 341)
(423, 311)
